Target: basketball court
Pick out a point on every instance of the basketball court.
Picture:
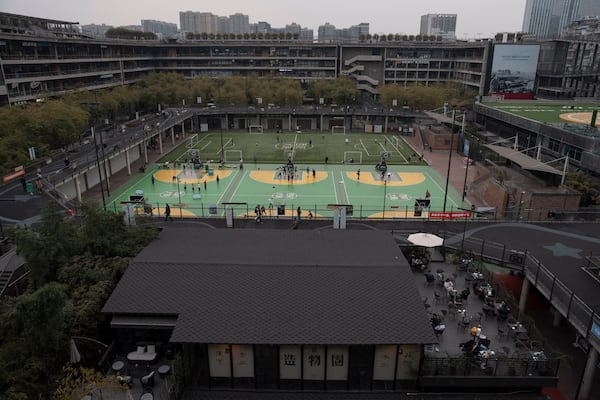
(204, 192)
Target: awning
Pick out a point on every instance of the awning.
(523, 160)
(136, 321)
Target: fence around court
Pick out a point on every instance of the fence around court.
(585, 320)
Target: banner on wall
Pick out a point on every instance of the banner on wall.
(514, 68)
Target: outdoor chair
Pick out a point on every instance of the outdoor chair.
(148, 380)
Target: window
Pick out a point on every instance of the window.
(554, 145)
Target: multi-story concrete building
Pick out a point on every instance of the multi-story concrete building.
(443, 25)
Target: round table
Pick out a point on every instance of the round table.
(147, 396)
(164, 370)
(118, 366)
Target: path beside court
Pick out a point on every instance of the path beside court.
(438, 159)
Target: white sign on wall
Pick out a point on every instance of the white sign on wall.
(385, 358)
(314, 363)
(290, 360)
(337, 363)
(409, 358)
(218, 360)
(243, 361)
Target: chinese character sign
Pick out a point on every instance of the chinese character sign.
(290, 361)
(384, 363)
(337, 363)
(243, 361)
(409, 358)
(219, 361)
(314, 362)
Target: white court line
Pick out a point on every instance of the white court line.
(206, 145)
(228, 185)
(335, 189)
(294, 146)
(392, 144)
(442, 189)
(345, 190)
(225, 145)
(365, 147)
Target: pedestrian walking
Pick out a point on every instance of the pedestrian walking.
(168, 213)
(358, 174)
(205, 185)
(217, 179)
(24, 184)
(314, 173)
(326, 160)
(152, 179)
(309, 142)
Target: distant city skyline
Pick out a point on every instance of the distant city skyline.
(475, 17)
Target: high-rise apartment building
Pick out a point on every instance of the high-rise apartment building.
(547, 18)
(239, 23)
(443, 25)
(159, 27)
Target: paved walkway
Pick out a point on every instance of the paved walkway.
(438, 159)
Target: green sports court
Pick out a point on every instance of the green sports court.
(549, 112)
(282, 172)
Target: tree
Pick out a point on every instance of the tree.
(79, 381)
(582, 182)
(48, 247)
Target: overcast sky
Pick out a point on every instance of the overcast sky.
(476, 18)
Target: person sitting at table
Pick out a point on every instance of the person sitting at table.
(503, 311)
(437, 323)
(429, 278)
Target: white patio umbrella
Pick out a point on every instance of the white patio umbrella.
(425, 239)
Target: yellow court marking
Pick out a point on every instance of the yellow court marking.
(579, 118)
(166, 176)
(174, 212)
(406, 178)
(394, 214)
(268, 176)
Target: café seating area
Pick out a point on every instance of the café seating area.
(469, 318)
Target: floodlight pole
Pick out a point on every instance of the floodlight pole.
(384, 196)
(449, 162)
(464, 193)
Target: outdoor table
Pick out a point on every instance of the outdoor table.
(164, 370)
(147, 396)
(118, 366)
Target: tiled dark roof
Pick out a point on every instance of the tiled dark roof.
(276, 287)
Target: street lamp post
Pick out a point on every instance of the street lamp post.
(99, 170)
(179, 197)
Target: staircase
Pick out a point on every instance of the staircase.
(10, 262)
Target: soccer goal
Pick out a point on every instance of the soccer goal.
(396, 142)
(255, 129)
(192, 142)
(353, 157)
(338, 130)
(232, 156)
